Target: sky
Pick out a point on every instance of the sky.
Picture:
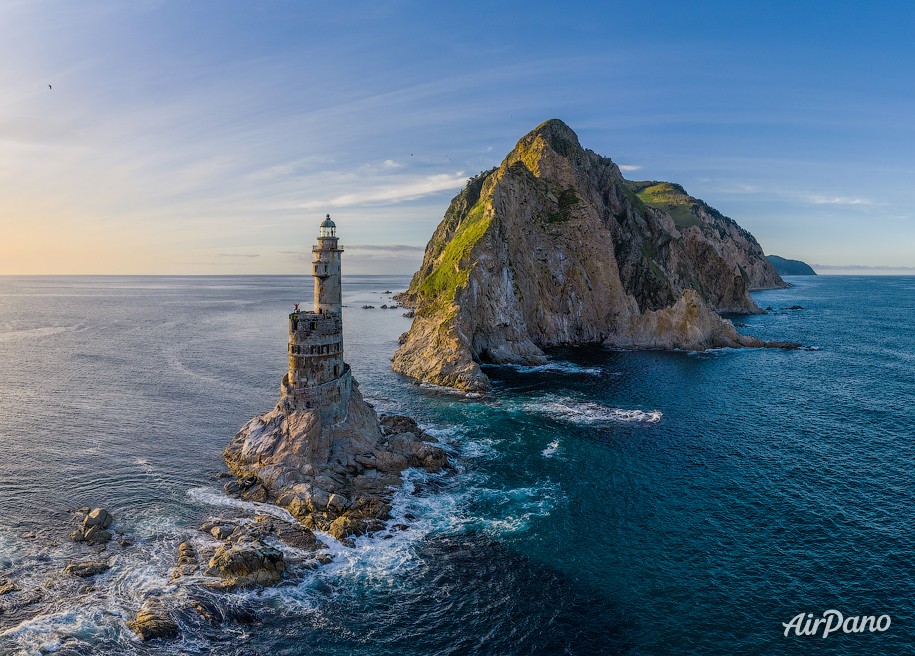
(211, 137)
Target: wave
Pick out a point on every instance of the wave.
(551, 449)
(450, 390)
(74, 617)
(553, 366)
(35, 333)
(588, 413)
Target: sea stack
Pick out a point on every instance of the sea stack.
(554, 247)
(322, 452)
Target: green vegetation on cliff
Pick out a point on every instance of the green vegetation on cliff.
(670, 198)
(450, 270)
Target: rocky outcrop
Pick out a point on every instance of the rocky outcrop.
(94, 527)
(247, 564)
(788, 267)
(554, 247)
(153, 621)
(337, 478)
(188, 562)
(87, 569)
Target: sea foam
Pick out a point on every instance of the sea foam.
(588, 413)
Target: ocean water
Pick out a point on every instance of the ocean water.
(608, 502)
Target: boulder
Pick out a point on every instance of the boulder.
(393, 424)
(247, 564)
(221, 532)
(153, 621)
(93, 529)
(98, 517)
(87, 569)
(295, 535)
(187, 560)
(7, 586)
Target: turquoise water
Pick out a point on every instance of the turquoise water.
(607, 503)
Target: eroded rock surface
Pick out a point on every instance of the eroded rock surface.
(246, 564)
(87, 569)
(154, 620)
(338, 478)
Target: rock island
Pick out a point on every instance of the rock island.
(554, 247)
(322, 452)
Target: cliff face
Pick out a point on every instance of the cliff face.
(554, 247)
(788, 267)
(733, 243)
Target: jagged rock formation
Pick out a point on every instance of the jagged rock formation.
(154, 620)
(94, 528)
(555, 247)
(786, 267)
(733, 243)
(333, 477)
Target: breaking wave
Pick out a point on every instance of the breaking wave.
(588, 413)
(554, 366)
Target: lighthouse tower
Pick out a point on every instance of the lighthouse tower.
(318, 378)
(327, 270)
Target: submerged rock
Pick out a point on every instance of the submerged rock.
(87, 569)
(7, 586)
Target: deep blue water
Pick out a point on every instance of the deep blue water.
(607, 503)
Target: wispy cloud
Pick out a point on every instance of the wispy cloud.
(286, 169)
(238, 255)
(629, 167)
(837, 200)
(862, 267)
(394, 192)
(385, 248)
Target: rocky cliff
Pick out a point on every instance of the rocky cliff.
(555, 247)
(733, 243)
(787, 267)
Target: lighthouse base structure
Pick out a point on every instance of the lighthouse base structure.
(336, 476)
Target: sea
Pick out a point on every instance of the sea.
(607, 502)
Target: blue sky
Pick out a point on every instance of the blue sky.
(211, 137)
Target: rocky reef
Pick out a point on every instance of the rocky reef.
(337, 478)
(554, 247)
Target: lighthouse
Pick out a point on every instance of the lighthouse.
(318, 379)
(326, 265)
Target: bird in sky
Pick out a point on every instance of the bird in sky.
(49, 86)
